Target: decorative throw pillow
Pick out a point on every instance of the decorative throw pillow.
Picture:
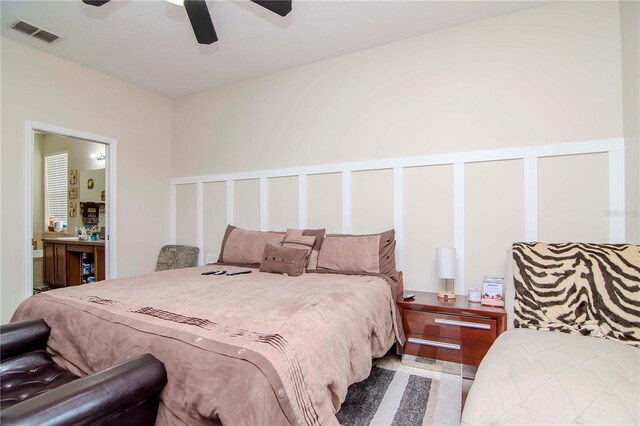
(299, 241)
(245, 246)
(312, 264)
(373, 253)
(284, 260)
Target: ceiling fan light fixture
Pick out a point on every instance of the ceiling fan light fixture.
(199, 16)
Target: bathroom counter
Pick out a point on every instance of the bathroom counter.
(69, 261)
(73, 241)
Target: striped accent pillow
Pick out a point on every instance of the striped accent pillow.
(300, 242)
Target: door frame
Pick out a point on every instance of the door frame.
(111, 233)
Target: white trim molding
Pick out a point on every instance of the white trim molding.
(264, 204)
(398, 214)
(302, 201)
(230, 201)
(200, 220)
(346, 202)
(529, 155)
(172, 213)
(459, 227)
(111, 223)
(616, 211)
(531, 198)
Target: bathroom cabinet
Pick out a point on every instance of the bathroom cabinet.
(48, 263)
(69, 262)
(60, 265)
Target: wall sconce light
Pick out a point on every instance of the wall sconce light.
(99, 156)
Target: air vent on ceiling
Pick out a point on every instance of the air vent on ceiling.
(33, 31)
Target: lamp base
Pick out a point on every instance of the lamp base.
(446, 295)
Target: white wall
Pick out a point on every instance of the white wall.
(546, 75)
(38, 184)
(630, 40)
(43, 88)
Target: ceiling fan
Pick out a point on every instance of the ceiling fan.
(200, 18)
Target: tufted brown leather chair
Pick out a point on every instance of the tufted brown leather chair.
(34, 390)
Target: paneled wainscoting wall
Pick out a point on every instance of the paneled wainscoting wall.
(478, 202)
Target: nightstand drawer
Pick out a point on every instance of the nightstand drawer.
(472, 329)
(445, 349)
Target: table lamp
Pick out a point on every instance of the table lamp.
(446, 269)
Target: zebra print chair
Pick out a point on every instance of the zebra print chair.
(571, 352)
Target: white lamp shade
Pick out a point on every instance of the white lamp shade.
(446, 262)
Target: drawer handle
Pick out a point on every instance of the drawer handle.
(463, 324)
(435, 344)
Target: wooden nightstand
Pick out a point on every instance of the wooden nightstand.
(457, 331)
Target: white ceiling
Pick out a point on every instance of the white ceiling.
(151, 44)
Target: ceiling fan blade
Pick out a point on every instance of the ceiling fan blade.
(95, 2)
(281, 7)
(201, 22)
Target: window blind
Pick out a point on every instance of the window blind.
(56, 171)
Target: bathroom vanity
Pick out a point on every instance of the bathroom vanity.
(70, 261)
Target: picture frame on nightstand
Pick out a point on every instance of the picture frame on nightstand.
(493, 291)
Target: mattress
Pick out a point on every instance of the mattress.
(248, 349)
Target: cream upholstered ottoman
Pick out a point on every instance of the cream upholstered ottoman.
(536, 377)
(532, 375)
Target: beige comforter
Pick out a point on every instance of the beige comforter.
(255, 349)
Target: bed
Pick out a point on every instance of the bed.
(258, 348)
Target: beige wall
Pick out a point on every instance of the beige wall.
(630, 40)
(245, 207)
(428, 219)
(573, 198)
(371, 201)
(324, 202)
(186, 214)
(40, 87)
(494, 214)
(283, 202)
(546, 75)
(214, 218)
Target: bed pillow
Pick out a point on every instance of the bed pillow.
(312, 264)
(373, 253)
(245, 246)
(284, 260)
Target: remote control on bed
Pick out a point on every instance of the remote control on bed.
(214, 273)
(238, 273)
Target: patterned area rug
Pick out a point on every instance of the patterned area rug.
(396, 394)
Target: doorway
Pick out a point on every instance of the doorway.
(70, 191)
